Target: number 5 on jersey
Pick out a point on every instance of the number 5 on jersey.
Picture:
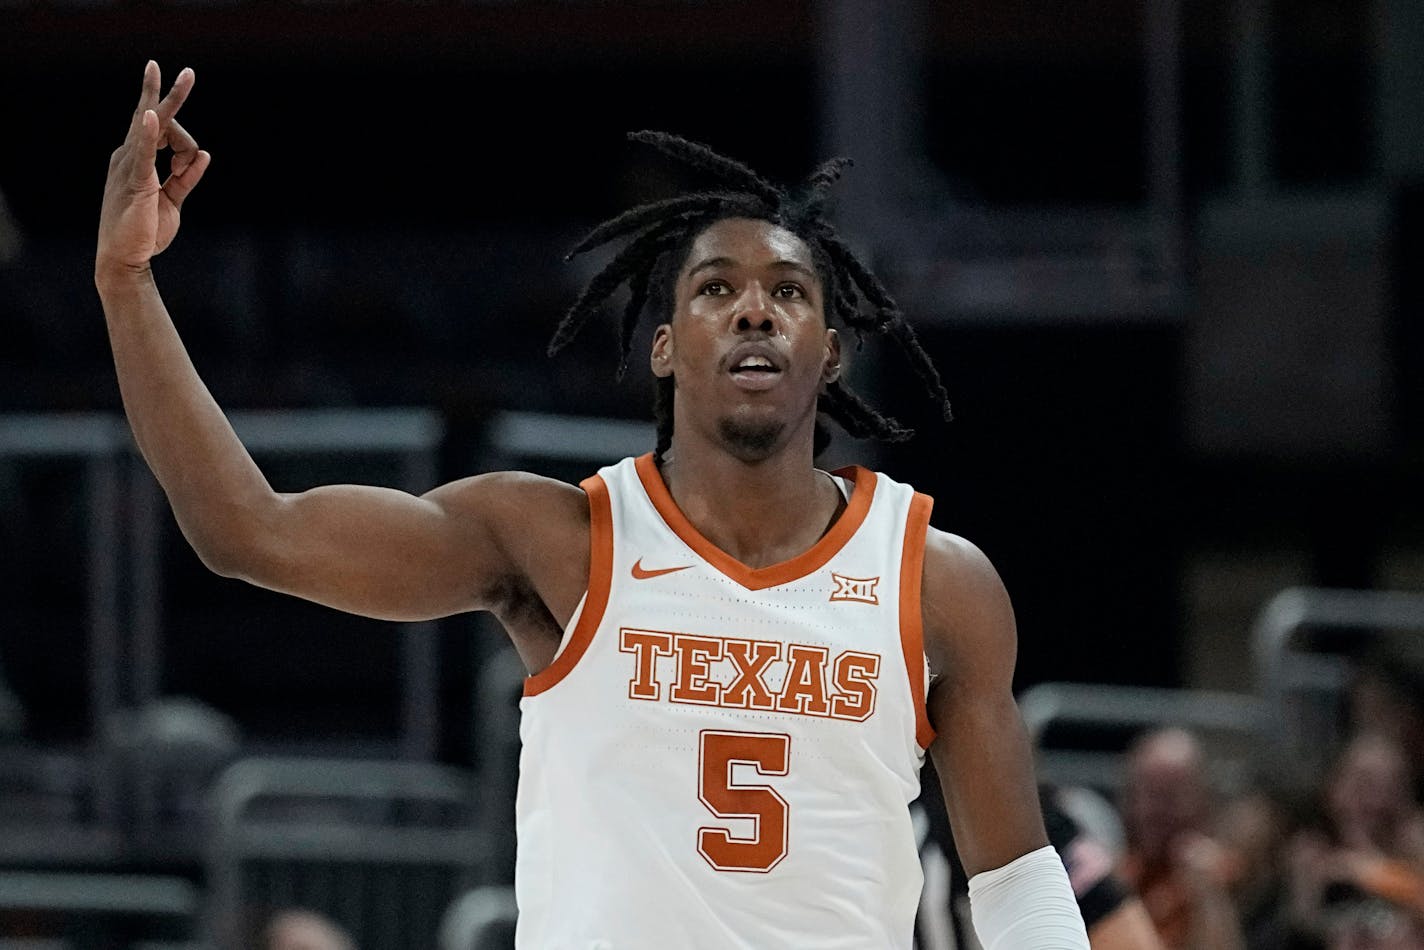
(718, 753)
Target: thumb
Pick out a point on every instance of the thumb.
(181, 183)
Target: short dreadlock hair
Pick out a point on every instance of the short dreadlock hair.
(661, 234)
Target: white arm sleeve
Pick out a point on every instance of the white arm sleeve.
(1027, 904)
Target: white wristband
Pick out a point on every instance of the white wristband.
(1027, 904)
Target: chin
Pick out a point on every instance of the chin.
(751, 440)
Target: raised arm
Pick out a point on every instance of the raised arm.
(371, 551)
(1019, 891)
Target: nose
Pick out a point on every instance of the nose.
(753, 311)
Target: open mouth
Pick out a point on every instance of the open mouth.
(755, 367)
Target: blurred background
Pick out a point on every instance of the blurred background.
(1165, 254)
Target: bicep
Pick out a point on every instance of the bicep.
(981, 751)
(384, 553)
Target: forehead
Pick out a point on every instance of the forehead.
(749, 242)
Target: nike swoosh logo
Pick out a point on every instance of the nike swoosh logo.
(642, 574)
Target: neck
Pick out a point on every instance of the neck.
(761, 512)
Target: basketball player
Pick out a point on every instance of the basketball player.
(737, 660)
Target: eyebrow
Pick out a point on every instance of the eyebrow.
(713, 262)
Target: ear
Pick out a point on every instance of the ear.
(831, 370)
(661, 357)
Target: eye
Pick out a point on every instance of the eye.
(790, 291)
(714, 288)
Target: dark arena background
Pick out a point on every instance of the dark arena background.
(1166, 254)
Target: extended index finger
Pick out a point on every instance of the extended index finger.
(172, 102)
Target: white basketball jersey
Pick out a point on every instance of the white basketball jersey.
(720, 756)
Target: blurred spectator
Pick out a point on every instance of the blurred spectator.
(1386, 696)
(1252, 827)
(1364, 853)
(1182, 874)
(299, 929)
(1370, 801)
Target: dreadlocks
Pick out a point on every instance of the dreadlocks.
(660, 234)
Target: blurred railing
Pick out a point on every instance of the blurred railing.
(71, 908)
(380, 848)
(1303, 678)
(96, 442)
(1229, 722)
(1306, 645)
(480, 919)
(114, 780)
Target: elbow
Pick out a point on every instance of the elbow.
(232, 548)
(221, 560)
(224, 556)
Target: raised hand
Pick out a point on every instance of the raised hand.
(139, 217)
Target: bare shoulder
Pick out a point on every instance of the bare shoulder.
(526, 518)
(968, 617)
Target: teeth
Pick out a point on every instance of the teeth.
(755, 362)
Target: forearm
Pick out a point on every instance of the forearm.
(212, 483)
(996, 811)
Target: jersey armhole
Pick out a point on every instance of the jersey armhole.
(912, 624)
(595, 600)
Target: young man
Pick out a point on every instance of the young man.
(737, 661)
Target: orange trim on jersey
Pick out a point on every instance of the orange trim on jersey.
(760, 578)
(600, 579)
(912, 621)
